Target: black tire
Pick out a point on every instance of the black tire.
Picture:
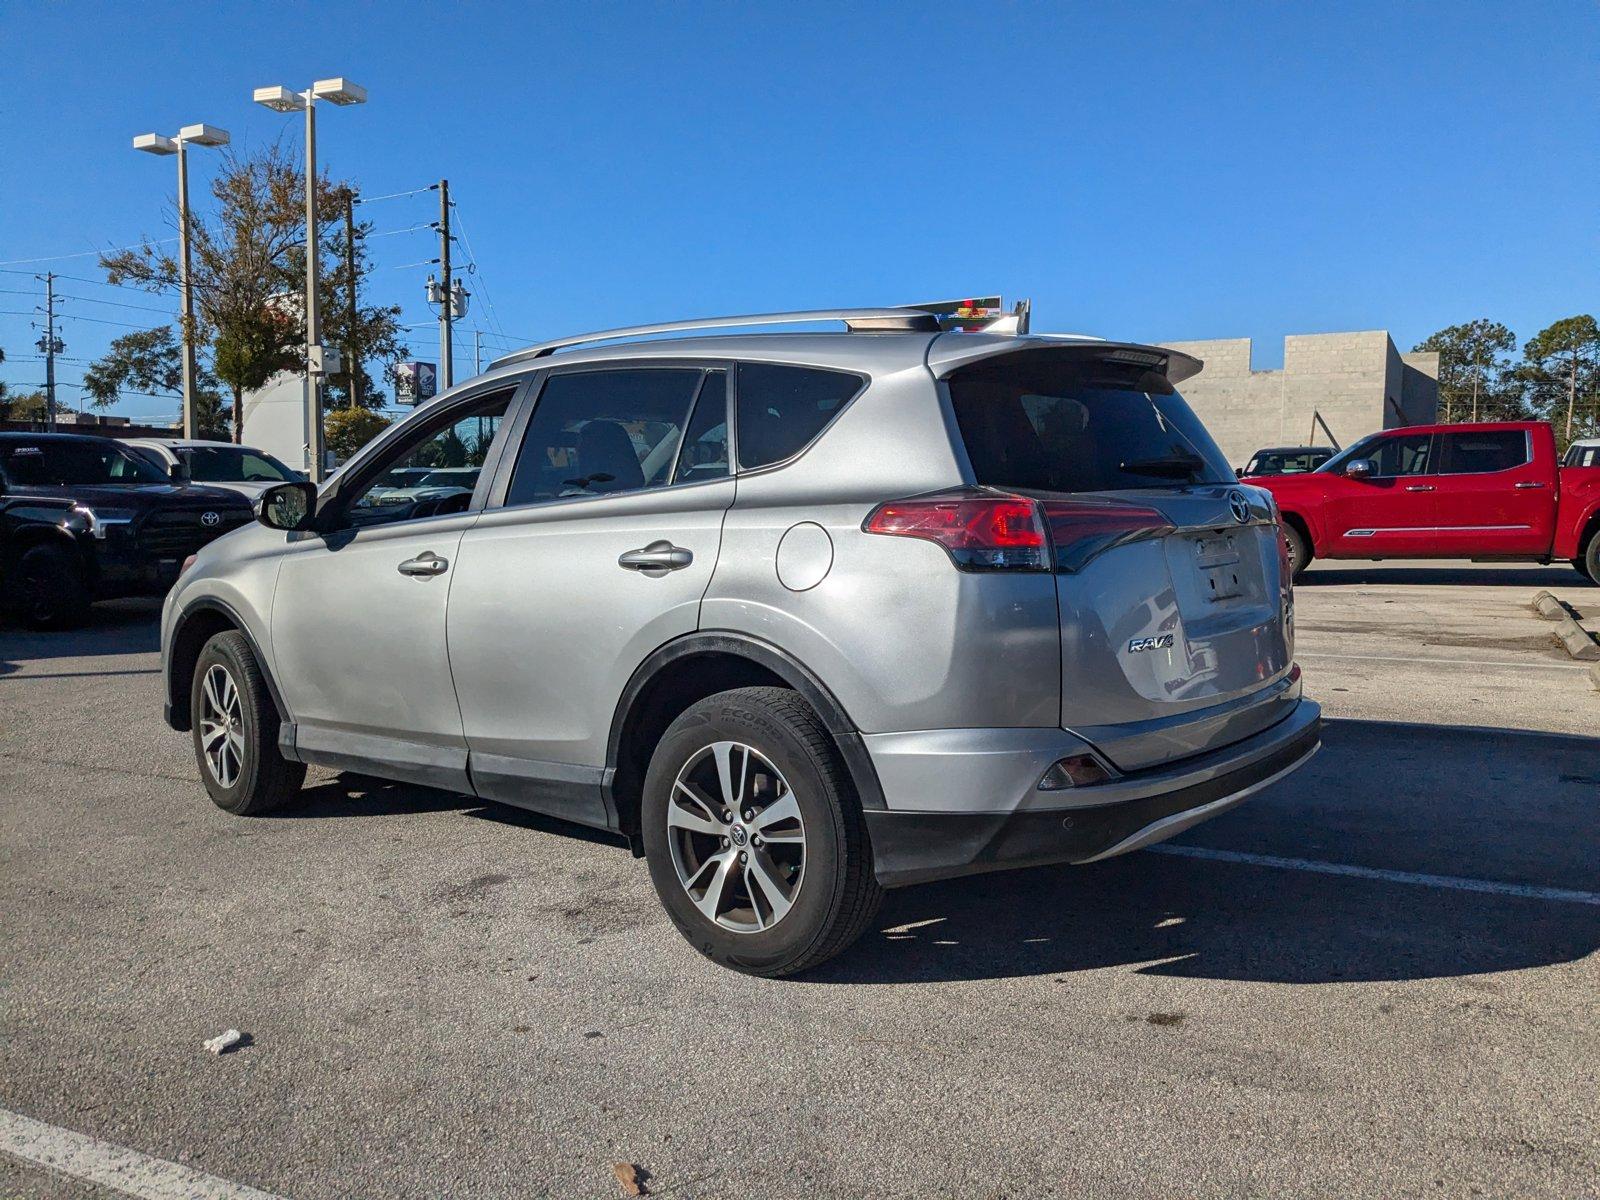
(264, 779)
(836, 895)
(1589, 565)
(1299, 551)
(50, 591)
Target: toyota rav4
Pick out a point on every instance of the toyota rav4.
(801, 615)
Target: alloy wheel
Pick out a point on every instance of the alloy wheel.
(737, 839)
(222, 725)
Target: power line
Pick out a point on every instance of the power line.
(11, 262)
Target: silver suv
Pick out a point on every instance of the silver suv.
(802, 616)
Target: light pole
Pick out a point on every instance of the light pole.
(281, 99)
(154, 143)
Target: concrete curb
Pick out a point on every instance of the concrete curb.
(1577, 640)
(1594, 675)
(1547, 606)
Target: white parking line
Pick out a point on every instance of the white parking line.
(1442, 662)
(1453, 882)
(110, 1166)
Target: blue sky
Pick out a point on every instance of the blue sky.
(1151, 172)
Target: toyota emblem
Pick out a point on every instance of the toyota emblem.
(210, 519)
(1239, 506)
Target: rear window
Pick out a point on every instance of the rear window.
(780, 409)
(1483, 451)
(1044, 421)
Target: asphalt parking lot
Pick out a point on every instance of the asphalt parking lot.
(1378, 978)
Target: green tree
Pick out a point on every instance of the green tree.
(249, 273)
(1561, 367)
(374, 336)
(349, 429)
(1475, 374)
(150, 361)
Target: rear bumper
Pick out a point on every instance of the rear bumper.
(1074, 825)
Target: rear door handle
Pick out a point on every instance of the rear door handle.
(1419, 487)
(656, 559)
(1530, 483)
(425, 564)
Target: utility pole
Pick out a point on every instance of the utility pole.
(352, 368)
(447, 303)
(477, 352)
(51, 346)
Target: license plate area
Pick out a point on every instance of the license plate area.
(1219, 564)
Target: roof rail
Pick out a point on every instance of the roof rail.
(856, 320)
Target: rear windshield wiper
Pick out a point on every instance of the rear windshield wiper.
(1173, 466)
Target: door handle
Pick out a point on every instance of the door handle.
(656, 559)
(425, 564)
(1530, 483)
(1419, 487)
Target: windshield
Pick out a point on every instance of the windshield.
(234, 464)
(452, 478)
(1286, 462)
(65, 463)
(1043, 421)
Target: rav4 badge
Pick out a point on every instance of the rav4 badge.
(1160, 642)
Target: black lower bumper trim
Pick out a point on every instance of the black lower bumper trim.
(917, 847)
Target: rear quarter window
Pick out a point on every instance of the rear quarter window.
(780, 409)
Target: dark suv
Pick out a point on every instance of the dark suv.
(126, 529)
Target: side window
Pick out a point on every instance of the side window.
(705, 442)
(596, 433)
(780, 409)
(434, 473)
(1482, 451)
(1406, 454)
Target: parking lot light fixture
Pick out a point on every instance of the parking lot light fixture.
(155, 143)
(339, 91)
(280, 99)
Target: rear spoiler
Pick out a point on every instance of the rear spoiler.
(948, 354)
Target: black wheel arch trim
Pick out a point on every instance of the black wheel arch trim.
(177, 701)
(782, 664)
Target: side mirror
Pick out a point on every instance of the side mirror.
(1360, 468)
(288, 506)
(178, 472)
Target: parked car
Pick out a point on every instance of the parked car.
(803, 616)
(442, 489)
(130, 531)
(1583, 452)
(1286, 460)
(241, 469)
(1489, 491)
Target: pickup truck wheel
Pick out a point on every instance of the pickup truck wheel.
(754, 834)
(50, 591)
(1299, 552)
(1589, 564)
(236, 730)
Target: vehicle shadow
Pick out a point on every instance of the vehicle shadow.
(117, 627)
(351, 795)
(1411, 571)
(1412, 800)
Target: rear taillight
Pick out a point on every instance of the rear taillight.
(1081, 529)
(980, 533)
(995, 531)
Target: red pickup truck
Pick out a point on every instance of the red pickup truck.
(1489, 492)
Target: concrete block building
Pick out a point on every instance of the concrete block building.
(1352, 383)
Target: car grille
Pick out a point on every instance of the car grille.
(179, 533)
